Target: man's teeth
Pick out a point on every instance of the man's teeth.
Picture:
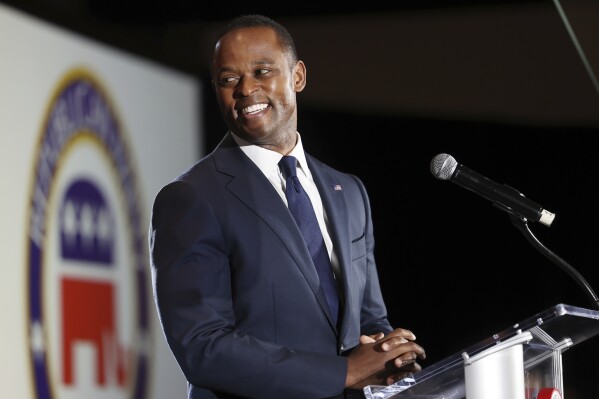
(253, 108)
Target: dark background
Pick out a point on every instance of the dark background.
(498, 85)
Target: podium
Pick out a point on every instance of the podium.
(520, 362)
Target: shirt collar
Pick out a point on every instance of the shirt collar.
(268, 160)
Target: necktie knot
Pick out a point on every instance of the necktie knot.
(288, 165)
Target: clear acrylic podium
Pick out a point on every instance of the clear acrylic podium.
(516, 363)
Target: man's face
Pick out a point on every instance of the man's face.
(256, 86)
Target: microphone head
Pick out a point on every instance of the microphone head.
(443, 166)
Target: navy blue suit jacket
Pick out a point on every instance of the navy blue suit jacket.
(236, 290)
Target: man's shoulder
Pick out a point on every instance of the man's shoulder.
(188, 184)
(331, 170)
(202, 166)
(206, 164)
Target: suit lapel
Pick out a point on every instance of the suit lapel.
(252, 188)
(333, 200)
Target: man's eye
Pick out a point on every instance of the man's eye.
(228, 80)
(262, 71)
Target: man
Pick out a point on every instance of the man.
(242, 306)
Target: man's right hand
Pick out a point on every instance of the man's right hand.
(382, 360)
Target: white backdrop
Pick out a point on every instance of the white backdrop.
(156, 135)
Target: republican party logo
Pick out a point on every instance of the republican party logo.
(88, 310)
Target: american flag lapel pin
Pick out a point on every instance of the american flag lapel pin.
(337, 187)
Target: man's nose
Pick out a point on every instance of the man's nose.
(247, 85)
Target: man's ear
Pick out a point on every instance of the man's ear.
(299, 76)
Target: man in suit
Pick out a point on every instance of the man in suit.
(242, 306)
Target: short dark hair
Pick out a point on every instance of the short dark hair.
(257, 20)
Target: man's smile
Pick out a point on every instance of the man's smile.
(253, 109)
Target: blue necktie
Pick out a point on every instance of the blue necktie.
(303, 213)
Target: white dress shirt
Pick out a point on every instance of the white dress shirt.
(268, 162)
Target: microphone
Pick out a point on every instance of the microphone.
(445, 167)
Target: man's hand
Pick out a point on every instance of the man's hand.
(382, 360)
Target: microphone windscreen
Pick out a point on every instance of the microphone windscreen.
(443, 166)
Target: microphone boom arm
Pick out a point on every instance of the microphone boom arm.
(522, 225)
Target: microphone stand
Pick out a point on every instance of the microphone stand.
(522, 225)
